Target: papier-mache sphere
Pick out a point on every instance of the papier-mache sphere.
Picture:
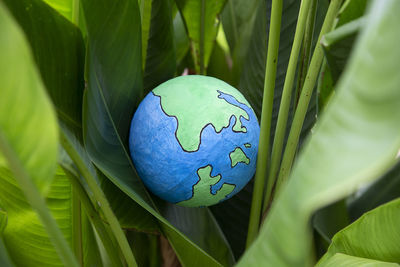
(194, 141)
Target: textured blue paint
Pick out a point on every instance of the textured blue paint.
(168, 171)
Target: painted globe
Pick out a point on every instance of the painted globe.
(194, 141)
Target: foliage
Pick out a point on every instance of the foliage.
(322, 77)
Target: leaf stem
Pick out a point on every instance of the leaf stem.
(305, 96)
(202, 33)
(94, 217)
(286, 97)
(305, 54)
(102, 201)
(266, 116)
(38, 203)
(77, 227)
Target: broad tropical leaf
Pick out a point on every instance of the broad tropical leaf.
(384, 190)
(25, 237)
(35, 151)
(108, 108)
(159, 56)
(4, 258)
(67, 8)
(201, 20)
(337, 47)
(58, 51)
(382, 241)
(355, 141)
(181, 39)
(340, 259)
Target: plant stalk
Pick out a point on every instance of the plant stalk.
(38, 204)
(77, 227)
(305, 54)
(102, 200)
(202, 33)
(266, 116)
(280, 130)
(305, 96)
(94, 217)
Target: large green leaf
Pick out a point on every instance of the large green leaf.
(114, 48)
(130, 215)
(181, 39)
(337, 47)
(384, 190)
(4, 258)
(25, 236)
(382, 241)
(67, 8)
(238, 19)
(22, 87)
(201, 20)
(355, 141)
(107, 119)
(351, 261)
(160, 62)
(58, 51)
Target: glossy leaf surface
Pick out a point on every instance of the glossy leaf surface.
(373, 236)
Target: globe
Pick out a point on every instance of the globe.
(194, 141)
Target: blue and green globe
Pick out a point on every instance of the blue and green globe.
(194, 141)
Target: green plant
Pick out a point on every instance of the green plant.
(322, 77)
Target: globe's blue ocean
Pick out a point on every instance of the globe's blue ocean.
(164, 167)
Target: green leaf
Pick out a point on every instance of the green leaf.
(130, 215)
(384, 190)
(25, 236)
(181, 39)
(329, 220)
(118, 74)
(160, 62)
(233, 216)
(238, 19)
(219, 65)
(201, 20)
(147, 249)
(4, 257)
(340, 259)
(381, 242)
(337, 46)
(351, 10)
(58, 51)
(355, 141)
(3, 220)
(67, 8)
(37, 152)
